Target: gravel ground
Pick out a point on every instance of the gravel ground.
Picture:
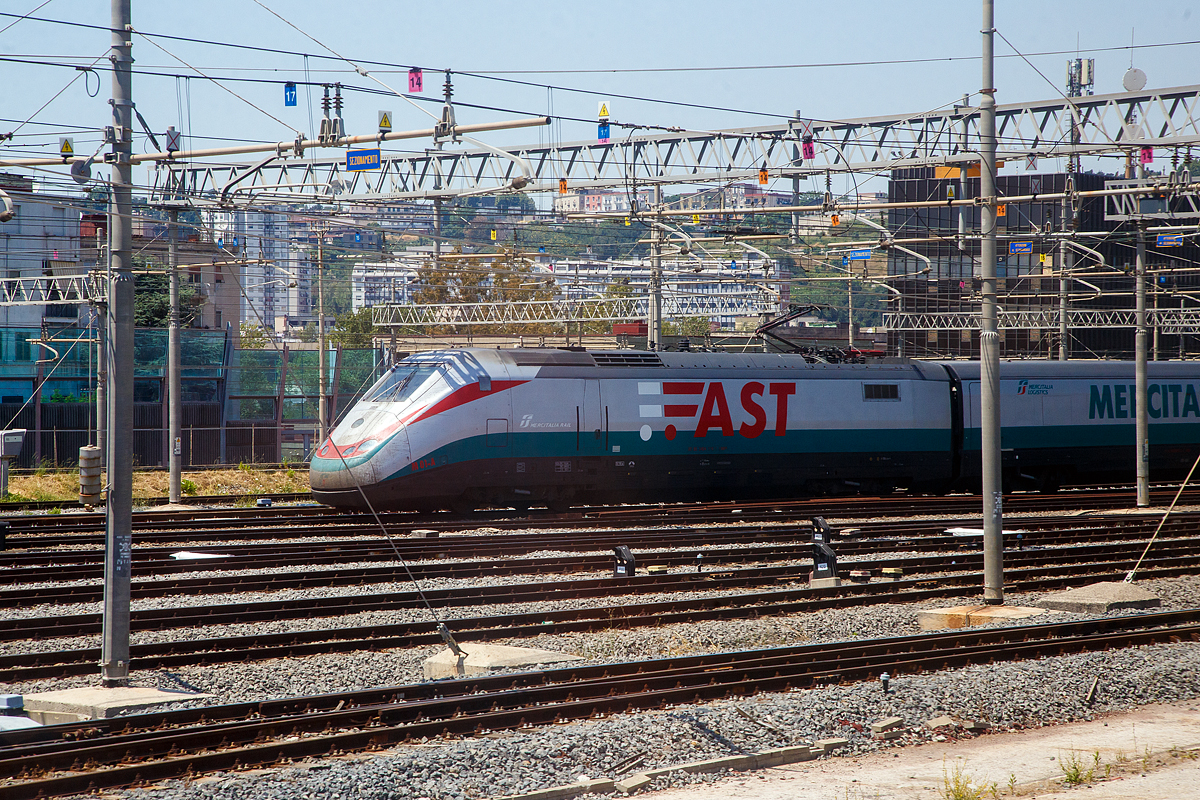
(1009, 696)
(256, 681)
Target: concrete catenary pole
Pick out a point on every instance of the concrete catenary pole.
(655, 309)
(794, 230)
(102, 368)
(1141, 406)
(993, 532)
(114, 658)
(322, 412)
(174, 385)
(1066, 261)
(1066, 257)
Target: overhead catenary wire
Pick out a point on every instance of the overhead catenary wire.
(24, 16)
(357, 68)
(216, 82)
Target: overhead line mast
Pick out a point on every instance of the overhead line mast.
(989, 339)
(118, 555)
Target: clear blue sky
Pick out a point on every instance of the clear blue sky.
(497, 36)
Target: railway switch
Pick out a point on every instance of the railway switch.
(625, 565)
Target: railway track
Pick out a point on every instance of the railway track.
(1037, 574)
(135, 750)
(230, 524)
(488, 556)
(509, 554)
(66, 550)
(60, 626)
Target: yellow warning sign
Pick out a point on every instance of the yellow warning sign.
(603, 113)
(66, 146)
(385, 121)
(695, 219)
(627, 222)
(493, 234)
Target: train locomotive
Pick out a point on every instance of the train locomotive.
(472, 428)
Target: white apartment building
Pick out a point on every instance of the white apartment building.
(269, 260)
(41, 239)
(378, 283)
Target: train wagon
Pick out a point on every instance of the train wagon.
(469, 428)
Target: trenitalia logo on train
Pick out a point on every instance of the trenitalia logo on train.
(1163, 401)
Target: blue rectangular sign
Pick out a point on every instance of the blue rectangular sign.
(1170, 240)
(602, 131)
(361, 159)
(860, 255)
(289, 94)
(1020, 248)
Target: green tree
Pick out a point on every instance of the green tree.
(692, 327)
(354, 330)
(510, 278)
(252, 337)
(616, 290)
(833, 296)
(152, 301)
(516, 202)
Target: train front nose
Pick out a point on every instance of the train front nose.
(354, 460)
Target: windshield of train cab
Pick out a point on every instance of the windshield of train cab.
(403, 382)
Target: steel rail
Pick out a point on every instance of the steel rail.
(890, 506)
(32, 666)
(63, 626)
(909, 539)
(915, 536)
(134, 750)
(328, 547)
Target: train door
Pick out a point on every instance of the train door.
(498, 431)
(590, 433)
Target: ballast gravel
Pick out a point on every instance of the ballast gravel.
(1008, 695)
(263, 680)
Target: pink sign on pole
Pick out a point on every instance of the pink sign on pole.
(1147, 155)
(416, 81)
(809, 150)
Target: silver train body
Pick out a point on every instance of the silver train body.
(470, 428)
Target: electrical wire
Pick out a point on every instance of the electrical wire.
(357, 68)
(24, 16)
(218, 83)
(57, 94)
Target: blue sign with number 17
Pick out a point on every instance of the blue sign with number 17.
(289, 94)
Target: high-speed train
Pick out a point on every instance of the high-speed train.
(470, 428)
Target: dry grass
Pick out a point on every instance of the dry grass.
(243, 480)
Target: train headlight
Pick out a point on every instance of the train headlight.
(367, 446)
